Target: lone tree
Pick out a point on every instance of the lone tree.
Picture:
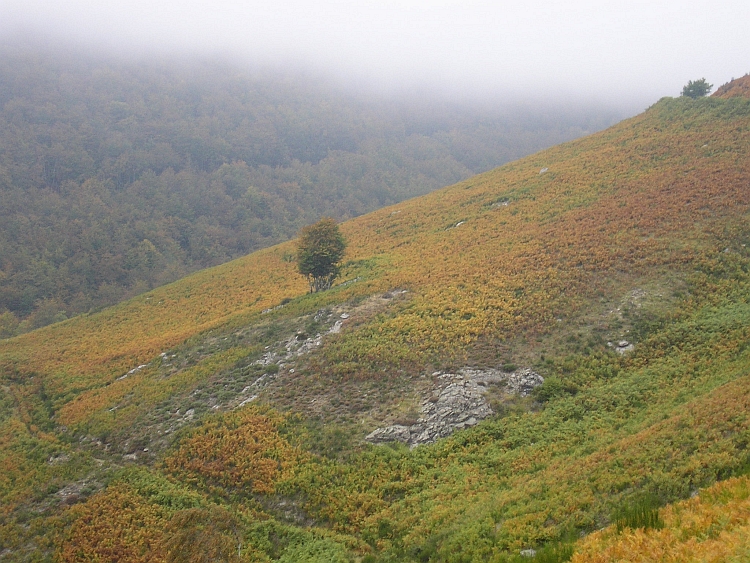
(319, 250)
(697, 89)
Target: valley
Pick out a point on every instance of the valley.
(588, 305)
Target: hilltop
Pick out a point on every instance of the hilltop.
(736, 88)
(592, 296)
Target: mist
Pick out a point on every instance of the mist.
(626, 54)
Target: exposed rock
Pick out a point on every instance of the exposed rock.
(622, 347)
(395, 433)
(59, 458)
(528, 553)
(299, 344)
(455, 226)
(248, 400)
(520, 382)
(132, 371)
(457, 401)
(348, 282)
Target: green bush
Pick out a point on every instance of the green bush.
(552, 388)
(697, 89)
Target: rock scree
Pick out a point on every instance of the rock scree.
(457, 402)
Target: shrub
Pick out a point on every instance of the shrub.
(697, 89)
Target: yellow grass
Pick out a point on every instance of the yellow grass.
(713, 527)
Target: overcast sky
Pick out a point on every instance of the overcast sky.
(633, 51)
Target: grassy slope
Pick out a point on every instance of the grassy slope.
(511, 260)
(642, 194)
(710, 527)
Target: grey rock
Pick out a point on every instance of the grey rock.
(623, 347)
(456, 402)
(395, 433)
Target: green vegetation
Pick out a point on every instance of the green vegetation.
(320, 249)
(698, 89)
(711, 526)
(238, 402)
(641, 512)
(118, 177)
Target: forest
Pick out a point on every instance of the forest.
(119, 175)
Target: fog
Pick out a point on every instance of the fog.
(628, 53)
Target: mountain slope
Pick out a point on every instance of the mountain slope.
(636, 233)
(117, 176)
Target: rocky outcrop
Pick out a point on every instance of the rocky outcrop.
(520, 382)
(457, 401)
(395, 433)
(622, 347)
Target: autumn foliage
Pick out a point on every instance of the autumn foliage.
(240, 450)
(739, 87)
(116, 525)
(713, 526)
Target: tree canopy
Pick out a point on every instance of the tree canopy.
(319, 250)
(697, 89)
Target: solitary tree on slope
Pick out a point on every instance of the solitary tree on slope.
(697, 89)
(320, 248)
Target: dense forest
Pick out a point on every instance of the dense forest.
(119, 175)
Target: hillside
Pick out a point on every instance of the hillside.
(711, 526)
(117, 176)
(226, 413)
(736, 88)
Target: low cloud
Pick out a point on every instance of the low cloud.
(631, 52)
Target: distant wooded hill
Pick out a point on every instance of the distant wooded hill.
(116, 177)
